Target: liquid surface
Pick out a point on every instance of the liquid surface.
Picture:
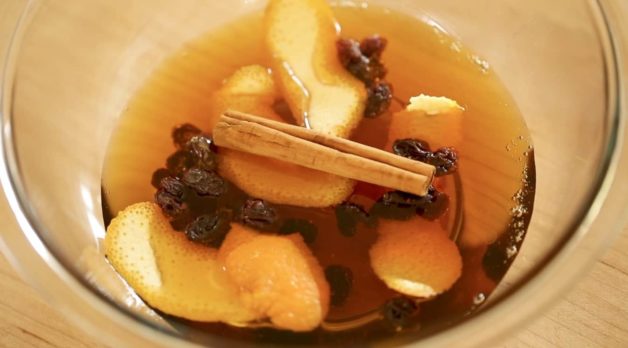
(496, 167)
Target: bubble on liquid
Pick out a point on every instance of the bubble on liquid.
(519, 210)
(519, 233)
(526, 177)
(455, 46)
(518, 196)
(479, 299)
(511, 251)
(481, 63)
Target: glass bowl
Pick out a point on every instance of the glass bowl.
(72, 66)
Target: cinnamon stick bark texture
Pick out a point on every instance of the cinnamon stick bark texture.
(311, 149)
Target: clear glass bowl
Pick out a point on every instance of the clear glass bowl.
(72, 66)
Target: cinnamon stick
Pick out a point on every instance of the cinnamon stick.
(315, 150)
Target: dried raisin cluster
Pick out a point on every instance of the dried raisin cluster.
(399, 205)
(202, 204)
(189, 189)
(363, 60)
(445, 159)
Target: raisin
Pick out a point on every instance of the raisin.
(368, 70)
(179, 162)
(433, 204)
(401, 199)
(348, 215)
(413, 149)
(392, 212)
(398, 311)
(307, 229)
(340, 281)
(173, 186)
(171, 205)
(157, 176)
(373, 46)
(259, 214)
(209, 229)
(399, 205)
(362, 60)
(205, 183)
(348, 51)
(183, 133)
(202, 149)
(362, 67)
(495, 261)
(379, 98)
(444, 159)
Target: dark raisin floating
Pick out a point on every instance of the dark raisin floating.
(179, 162)
(349, 52)
(158, 175)
(362, 60)
(397, 205)
(399, 210)
(444, 159)
(183, 133)
(367, 69)
(348, 215)
(174, 187)
(380, 96)
(169, 204)
(259, 214)
(209, 229)
(340, 279)
(373, 46)
(204, 183)
(398, 311)
(433, 204)
(203, 149)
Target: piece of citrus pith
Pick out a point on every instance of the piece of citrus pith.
(169, 272)
(301, 39)
(277, 276)
(435, 120)
(415, 257)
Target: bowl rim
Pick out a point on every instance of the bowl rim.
(607, 204)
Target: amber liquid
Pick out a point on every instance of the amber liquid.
(492, 193)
